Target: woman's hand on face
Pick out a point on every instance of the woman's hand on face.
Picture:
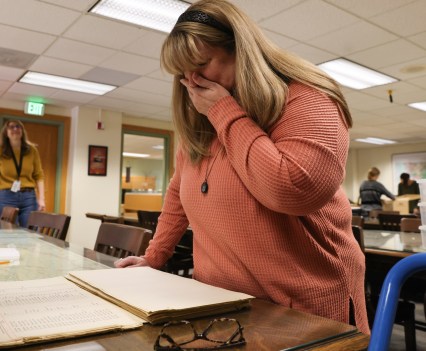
(203, 92)
(131, 261)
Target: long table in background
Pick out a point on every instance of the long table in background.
(267, 326)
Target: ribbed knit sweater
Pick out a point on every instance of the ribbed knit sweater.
(275, 222)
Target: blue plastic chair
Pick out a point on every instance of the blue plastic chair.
(388, 300)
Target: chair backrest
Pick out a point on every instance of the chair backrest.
(122, 240)
(148, 219)
(410, 225)
(358, 220)
(392, 221)
(9, 214)
(388, 300)
(359, 236)
(48, 223)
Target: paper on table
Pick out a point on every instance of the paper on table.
(9, 254)
(45, 309)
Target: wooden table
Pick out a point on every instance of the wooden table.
(267, 326)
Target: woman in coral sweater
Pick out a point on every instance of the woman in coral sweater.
(264, 142)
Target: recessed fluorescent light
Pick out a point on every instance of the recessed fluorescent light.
(418, 105)
(83, 86)
(376, 141)
(158, 147)
(132, 154)
(353, 75)
(160, 15)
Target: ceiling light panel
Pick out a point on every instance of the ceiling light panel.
(156, 14)
(418, 105)
(51, 81)
(354, 76)
(377, 141)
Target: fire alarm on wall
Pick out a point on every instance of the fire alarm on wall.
(100, 125)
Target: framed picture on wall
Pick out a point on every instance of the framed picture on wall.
(414, 164)
(98, 159)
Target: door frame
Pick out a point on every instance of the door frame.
(166, 135)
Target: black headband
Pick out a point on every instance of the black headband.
(204, 18)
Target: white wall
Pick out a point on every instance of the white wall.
(98, 194)
(361, 160)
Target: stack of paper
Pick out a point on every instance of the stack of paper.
(159, 296)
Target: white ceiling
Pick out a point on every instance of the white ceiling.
(60, 37)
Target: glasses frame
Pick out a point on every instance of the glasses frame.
(174, 346)
(14, 126)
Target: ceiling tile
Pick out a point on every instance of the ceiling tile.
(267, 9)
(109, 76)
(152, 50)
(369, 8)
(71, 50)
(356, 37)
(388, 54)
(151, 85)
(103, 32)
(79, 5)
(10, 74)
(318, 18)
(404, 20)
(59, 67)
(24, 40)
(131, 63)
(37, 16)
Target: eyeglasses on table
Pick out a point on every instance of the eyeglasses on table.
(182, 336)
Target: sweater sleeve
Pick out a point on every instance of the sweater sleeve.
(172, 222)
(299, 166)
(38, 173)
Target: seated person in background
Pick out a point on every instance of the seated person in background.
(370, 192)
(407, 185)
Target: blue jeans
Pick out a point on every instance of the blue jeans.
(26, 201)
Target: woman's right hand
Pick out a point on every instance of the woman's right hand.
(131, 261)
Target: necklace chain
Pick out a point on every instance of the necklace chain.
(205, 185)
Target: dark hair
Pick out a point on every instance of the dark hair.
(405, 177)
(6, 148)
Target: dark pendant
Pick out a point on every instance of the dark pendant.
(204, 187)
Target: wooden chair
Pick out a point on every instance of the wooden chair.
(358, 221)
(392, 221)
(122, 240)
(9, 214)
(148, 219)
(410, 225)
(51, 224)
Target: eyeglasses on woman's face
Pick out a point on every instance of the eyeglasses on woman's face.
(14, 126)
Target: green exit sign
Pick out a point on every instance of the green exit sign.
(34, 108)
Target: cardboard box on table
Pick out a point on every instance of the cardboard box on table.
(404, 204)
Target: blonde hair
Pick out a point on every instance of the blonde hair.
(373, 173)
(263, 72)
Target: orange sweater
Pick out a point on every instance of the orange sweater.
(275, 222)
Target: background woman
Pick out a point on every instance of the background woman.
(20, 172)
(264, 142)
(371, 191)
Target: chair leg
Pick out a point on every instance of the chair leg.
(405, 315)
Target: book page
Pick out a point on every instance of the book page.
(151, 290)
(35, 310)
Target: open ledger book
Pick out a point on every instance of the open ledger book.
(94, 301)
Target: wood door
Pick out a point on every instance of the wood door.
(45, 136)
